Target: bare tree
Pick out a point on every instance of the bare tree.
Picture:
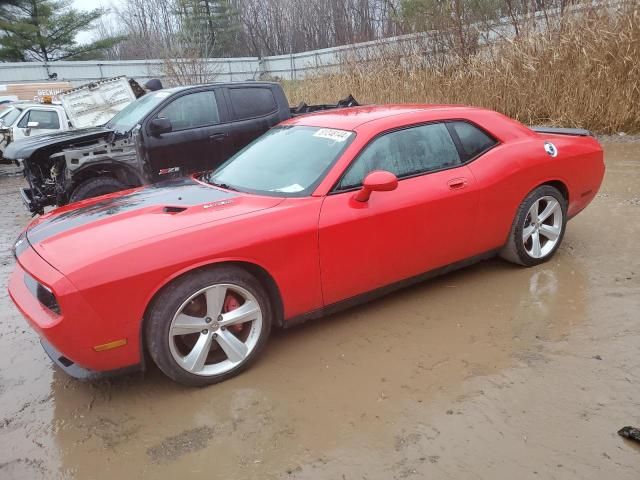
(219, 28)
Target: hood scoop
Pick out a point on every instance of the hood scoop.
(173, 210)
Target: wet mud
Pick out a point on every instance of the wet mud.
(494, 371)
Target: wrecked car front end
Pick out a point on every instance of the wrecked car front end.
(53, 165)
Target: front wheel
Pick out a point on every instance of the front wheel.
(208, 326)
(95, 187)
(538, 228)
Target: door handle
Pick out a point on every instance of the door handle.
(457, 183)
(217, 137)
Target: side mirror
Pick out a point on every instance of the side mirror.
(377, 181)
(158, 126)
(33, 124)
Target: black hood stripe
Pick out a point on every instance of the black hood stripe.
(182, 192)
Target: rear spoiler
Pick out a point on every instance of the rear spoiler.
(578, 132)
(303, 108)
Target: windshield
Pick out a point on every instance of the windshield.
(9, 116)
(134, 113)
(285, 161)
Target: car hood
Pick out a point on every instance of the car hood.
(25, 147)
(71, 236)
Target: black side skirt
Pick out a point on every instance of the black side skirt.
(382, 291)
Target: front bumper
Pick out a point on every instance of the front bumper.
(34, 204)
(76, 371)
(71, 338)
(27, 200)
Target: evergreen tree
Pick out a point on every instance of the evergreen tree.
(45, 30)
(212, 26)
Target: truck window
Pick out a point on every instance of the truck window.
(11, 115)
(251, 102)
(135, 112)
(47, 119)
(192, 110)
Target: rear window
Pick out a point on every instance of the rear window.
(251, 102)
(474, 141)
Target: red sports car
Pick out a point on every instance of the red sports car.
(320, 213)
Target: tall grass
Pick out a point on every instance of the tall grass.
(584, 73)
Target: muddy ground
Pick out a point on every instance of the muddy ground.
(493, 372)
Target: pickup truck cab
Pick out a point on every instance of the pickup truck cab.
(162, 135)
(29, 119)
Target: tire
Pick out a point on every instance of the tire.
(521, 245)
(95, 187)
(188, 329)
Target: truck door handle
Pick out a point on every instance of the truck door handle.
(457, 183)
(217, 137)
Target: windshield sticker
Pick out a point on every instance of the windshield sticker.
(162, 94)
(289, 189)
(331, 134)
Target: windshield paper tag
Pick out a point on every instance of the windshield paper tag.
(331, 134)
(290, 189)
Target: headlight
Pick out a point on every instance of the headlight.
(44, 295)
(20, 245)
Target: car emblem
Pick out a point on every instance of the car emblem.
(217, 204)
(551, 149)
(165, 171)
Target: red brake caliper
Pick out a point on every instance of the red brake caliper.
(231, 302)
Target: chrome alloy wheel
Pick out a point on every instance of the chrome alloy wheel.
(215, 329)
(542, 227)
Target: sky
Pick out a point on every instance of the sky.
(83, 37)
(88, 4)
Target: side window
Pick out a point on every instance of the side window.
(191, 111)
(404, 152)
(47, 119)
(474, 141)
(24, 120)
(251, 102)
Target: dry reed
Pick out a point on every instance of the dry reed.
(584, 74)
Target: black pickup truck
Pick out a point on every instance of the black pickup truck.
(164, 134)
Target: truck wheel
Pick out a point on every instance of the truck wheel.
(95, 187)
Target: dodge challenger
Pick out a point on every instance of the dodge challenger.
(322, 212)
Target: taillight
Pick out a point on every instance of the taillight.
(44, 295)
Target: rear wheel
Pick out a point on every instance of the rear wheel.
(208, 325)
(538, 228)
(95, 187)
